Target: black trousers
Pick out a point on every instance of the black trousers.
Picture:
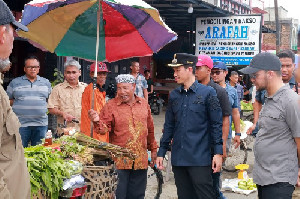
(194, 182)
(131, 184)
(280, 190)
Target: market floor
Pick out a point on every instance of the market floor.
(169, 188)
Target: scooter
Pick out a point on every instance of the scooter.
(155, 103)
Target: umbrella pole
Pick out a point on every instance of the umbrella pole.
(96, 65)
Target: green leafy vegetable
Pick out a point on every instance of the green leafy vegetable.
(47, 170)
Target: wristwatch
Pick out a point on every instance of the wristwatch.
(238, 134)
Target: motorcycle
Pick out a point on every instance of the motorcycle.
(155, 103)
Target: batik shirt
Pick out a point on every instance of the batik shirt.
(129, 126)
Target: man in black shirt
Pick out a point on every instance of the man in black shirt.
(149, 81)
(203, 70)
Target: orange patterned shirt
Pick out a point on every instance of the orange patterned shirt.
(99, 101)
(129, 126)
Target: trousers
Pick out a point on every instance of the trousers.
(194, 182)
(131, 184)
(280, 190)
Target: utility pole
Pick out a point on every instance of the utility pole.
(277, 27)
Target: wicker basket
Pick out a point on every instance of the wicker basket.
(101, 181)
(40, 195)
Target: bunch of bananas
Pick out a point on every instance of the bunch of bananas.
(247, 184)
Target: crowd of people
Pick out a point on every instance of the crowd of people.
(197, 121)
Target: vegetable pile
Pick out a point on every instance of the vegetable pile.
(246, 106)
(72, 150)
(247, 184)
(47, 170)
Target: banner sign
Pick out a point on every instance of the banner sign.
(233, 40)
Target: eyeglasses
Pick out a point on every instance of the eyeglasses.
(217, 72)
(32, 67)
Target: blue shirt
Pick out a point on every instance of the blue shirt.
(140, 85)
(30, 100)
(188, 118)
(240, 93)
(233, 99)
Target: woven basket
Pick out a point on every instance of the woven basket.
(101, 181)
(40, 195)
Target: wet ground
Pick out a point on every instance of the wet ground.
(169, 188)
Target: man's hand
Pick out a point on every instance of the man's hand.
(93, 115)
(153, 158)
(217, 163)
(298, 180)
(159, 163)
(236, 141)
(68, 117)
(251, 129)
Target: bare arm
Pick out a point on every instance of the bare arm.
(11, 102)
(151, 89)
(297, 140)
(225, 132)
(237, 125)
(145, 94)
(151, 142)
(66, 116)
(257, 106)
(246, 92)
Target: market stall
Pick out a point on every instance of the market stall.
(73, 167)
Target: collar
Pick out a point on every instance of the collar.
(136, 76)
(66, 84)
(278, 94)
(137, 100)
(38, 78)
(193, 87)
(292, 81)
(101, 89)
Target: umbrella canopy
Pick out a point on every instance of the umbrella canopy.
(127, 28)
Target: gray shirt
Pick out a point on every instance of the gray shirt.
(275, 149)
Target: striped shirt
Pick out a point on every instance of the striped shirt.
(30, 100)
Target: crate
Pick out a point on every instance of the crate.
(101, 181)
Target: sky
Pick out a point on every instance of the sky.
(292, 6)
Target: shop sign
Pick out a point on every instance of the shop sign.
(233, 40)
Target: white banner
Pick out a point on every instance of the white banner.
(233, 40)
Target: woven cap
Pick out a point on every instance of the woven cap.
(6, 17)
(125, 78)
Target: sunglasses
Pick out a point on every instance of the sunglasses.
(217, 72)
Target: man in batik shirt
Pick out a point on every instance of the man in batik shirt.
(127, 118)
